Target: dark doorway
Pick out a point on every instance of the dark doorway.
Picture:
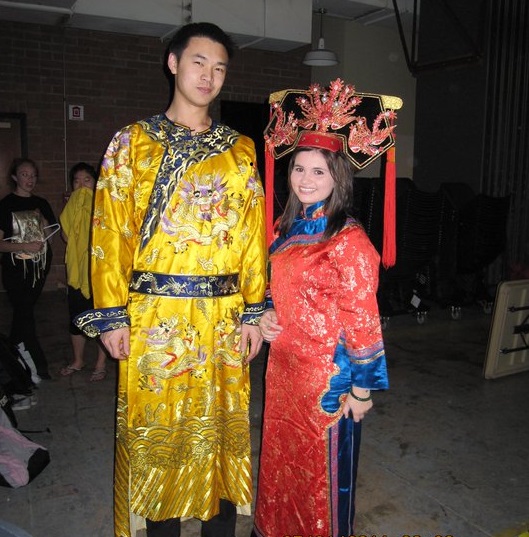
(249, 119)
(13, 143)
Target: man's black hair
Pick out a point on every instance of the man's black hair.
(180, 40)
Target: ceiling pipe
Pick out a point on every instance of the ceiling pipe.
(374, 16)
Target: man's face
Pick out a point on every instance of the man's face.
(201, 71)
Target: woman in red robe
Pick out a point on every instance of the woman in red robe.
(326, 347)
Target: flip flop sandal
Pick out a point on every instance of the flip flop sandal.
(98, 374)
(69, 370)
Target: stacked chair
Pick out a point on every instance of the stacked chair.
(445, 241)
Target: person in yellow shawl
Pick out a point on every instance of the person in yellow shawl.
(179, 276)
(75, 220)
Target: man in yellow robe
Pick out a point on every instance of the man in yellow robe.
(178, 275)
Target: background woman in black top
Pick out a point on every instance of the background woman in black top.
(25, 264)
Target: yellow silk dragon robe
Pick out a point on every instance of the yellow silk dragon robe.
(178, 253)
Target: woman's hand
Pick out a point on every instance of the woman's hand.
(268, 325)
(356, 409)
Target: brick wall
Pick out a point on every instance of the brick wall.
(118, 79)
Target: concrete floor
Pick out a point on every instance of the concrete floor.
(444, 452)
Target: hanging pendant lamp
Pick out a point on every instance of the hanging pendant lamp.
(320, 57)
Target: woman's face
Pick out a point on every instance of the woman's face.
(25, 179)
(310, 178)
(83, 178)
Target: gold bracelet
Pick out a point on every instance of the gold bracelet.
(361, 399)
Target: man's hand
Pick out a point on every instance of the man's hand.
(117, 342)
(251, 341)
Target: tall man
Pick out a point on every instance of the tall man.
(178, 273)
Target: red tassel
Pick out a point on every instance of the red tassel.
(389, 247)
(269, 195)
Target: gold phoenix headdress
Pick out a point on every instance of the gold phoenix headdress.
(336, 118)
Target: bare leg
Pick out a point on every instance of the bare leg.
(101, 358)
(78, 345)
(100, 370)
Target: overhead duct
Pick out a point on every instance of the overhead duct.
(276, 25)
(137, 17)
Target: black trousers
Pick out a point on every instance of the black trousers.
(23, 294)
(221, 525)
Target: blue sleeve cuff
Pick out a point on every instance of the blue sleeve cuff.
(364, 368)
(252, 313)
(368, 367)
(373, 376)
(94, 322)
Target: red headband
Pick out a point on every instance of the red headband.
(323, 140)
